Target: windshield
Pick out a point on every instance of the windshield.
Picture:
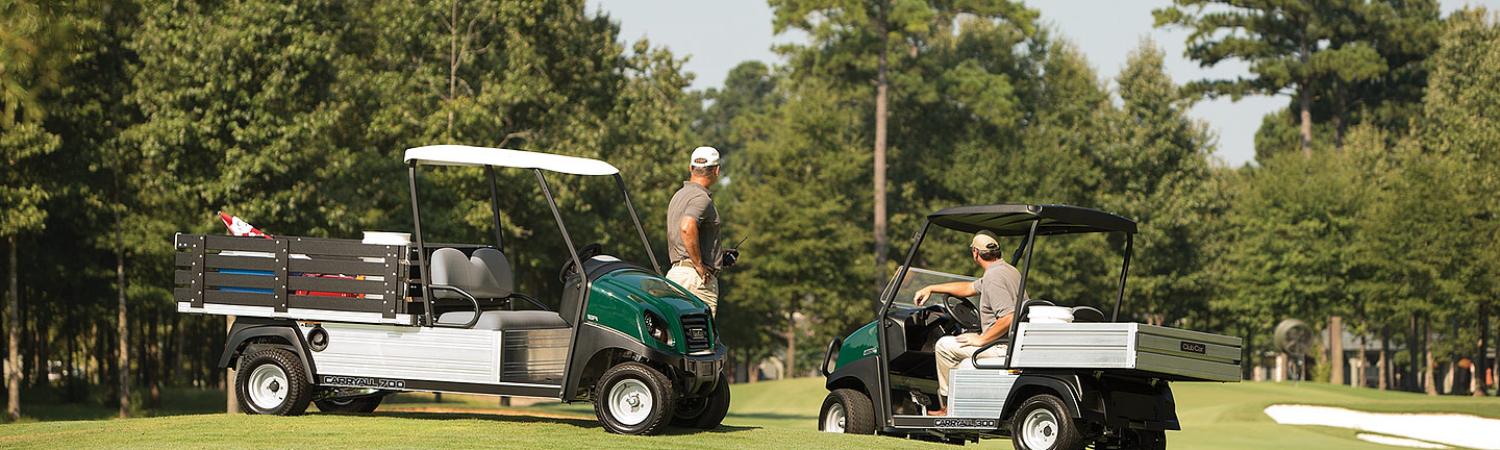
(594, 210)
(917, 278)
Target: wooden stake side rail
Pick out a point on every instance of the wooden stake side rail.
(291, 277)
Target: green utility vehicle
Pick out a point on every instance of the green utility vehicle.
(345, 322)
(1071, 377)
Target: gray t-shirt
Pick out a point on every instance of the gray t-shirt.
(997, 292)
(693, 200)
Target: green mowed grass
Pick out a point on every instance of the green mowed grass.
(777, 414)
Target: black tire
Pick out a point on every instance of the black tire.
(356, 405)
(1148, 440)
(707, 412)
(281, 385)
(1049, 419)
(634, 380)
(859, 413)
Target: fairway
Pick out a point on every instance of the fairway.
(777, 414)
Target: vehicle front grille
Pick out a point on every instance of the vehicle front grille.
(695, 330)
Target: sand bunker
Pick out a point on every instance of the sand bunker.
(1453, 429)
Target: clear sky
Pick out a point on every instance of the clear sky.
(718, 34)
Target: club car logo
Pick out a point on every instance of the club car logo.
(965, 423)
(364, 382)
(697, 333)
(1194, 347)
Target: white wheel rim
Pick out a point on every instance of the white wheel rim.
(834, 421)
(268, 386)
(630, 402)
(1040, 429)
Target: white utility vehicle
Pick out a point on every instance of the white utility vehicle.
(1072, 377)
(343, 322)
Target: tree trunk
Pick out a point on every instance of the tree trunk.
(13, 339)
(1412, 343)
(232, 394)
(96, 369)
(1336, 349)
(153, 349)
(124, 333)
(882, 86)
(1482, 363)
(1364, 362)
(452, 70)
(791, 345)
(1304, 99)
(1384, 365)
(1428, 377)
(1247, 362)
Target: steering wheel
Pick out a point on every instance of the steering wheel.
(584, 253)
(963, 311)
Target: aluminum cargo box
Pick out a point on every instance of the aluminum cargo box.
(1163, 352)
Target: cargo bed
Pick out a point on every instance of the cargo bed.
(303, 278)
(1160, 352)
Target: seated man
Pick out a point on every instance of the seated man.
(997, 296)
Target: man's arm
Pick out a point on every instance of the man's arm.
(958, 288)
(688, 226)
(995, 331)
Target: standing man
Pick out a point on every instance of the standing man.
(997, 290)
(693, 230)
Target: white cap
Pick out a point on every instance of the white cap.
(985, 241)
(705, 157)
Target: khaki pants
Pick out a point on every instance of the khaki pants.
(950, 354)
(686, 276)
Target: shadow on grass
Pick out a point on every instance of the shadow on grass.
(47, 405)
(521, 418)
(769, 415)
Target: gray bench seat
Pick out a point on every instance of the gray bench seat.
(506, 320)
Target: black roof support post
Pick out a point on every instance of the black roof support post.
(1015, 325)
(1124, 270)
(583, 297)
(620, 181)
(883, 366)
(422, 269)
(495, 204)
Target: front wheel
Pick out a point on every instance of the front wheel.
(272, 381)
(633, 398)
(847, 411)
(1043, 423)
(707, 412)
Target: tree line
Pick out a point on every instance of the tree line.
(1372, 197)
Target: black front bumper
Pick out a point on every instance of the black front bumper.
(693, 375)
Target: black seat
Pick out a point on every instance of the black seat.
(1087, 314)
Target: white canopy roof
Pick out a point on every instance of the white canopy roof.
(463, 155)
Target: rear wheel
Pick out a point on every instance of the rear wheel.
(633, 398)
(847, 411)
(707, 412)
(272, 381)
(1043, 423)
(359, 405)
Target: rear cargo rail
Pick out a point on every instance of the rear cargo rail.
(292, 277)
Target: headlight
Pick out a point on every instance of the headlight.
(657, 328)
